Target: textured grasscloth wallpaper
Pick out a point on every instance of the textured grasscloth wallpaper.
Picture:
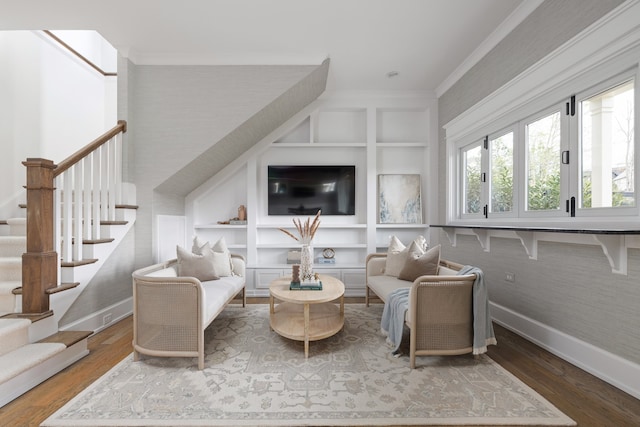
(570, 287)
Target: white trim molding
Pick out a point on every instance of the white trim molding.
(607, 366)
(102, 319)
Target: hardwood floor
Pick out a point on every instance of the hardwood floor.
(583, 397)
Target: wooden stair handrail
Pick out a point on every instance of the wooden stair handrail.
(89, 148)
(79, 55)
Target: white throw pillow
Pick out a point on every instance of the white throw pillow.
(221, 255)
(193, 265)
(197, 244)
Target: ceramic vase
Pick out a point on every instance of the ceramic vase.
(306, 263)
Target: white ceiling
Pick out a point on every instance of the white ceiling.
(428, 42)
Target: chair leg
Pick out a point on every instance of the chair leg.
(366, 296)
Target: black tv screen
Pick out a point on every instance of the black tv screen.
(303, 190)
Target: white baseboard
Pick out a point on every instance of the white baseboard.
(96, 321)
(607, 366)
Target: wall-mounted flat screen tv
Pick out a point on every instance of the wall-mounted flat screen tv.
(303, 190)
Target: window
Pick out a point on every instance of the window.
(501, 177)
(471, 165)
(577, 159)
(607, 149)
(543, 163)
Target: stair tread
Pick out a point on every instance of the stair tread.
(114, 222)
(68, 338)
(79, 263)
(97, 241)
(32, 317)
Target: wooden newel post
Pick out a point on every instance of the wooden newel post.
(40, 262)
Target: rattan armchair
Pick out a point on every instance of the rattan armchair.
(440, 313)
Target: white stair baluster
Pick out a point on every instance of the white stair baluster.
(57, 222)
(111, 145)
(118, 169)
(104, 182)
(86, 198)
(77, 210)
(95, 196)
(66, 216)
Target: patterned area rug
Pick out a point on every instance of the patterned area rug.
(253, 376)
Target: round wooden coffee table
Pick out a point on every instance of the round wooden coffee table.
(306, 315)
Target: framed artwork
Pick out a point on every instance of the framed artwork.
(399, 200)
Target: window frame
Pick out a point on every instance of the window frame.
(570, 179)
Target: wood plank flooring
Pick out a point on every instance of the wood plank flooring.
(583, 397)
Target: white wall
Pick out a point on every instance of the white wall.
(52, 104)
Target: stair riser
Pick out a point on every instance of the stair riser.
(12, 246)
(8, 304)
(10, 271)
(14, 333)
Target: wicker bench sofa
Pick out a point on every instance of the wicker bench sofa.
(171, 313)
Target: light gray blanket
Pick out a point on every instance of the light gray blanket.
(483, 334)
(393, 313)
(397, 304)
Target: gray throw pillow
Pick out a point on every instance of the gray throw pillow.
(421, 265)
(397, 254)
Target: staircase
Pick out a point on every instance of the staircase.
(27, 358)
(85, 229)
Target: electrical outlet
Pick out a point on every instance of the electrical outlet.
(107, 319)
(510, 277)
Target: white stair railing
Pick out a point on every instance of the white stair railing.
(88, 188)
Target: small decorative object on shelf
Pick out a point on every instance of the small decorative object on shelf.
(328, 253)
(306, 232)
(241, 219)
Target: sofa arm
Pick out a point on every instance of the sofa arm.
(375, 264)
(239, 265)
(168, 314)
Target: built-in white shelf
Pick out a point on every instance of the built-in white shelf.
(319, 144)
(220, 226)
(401, 144)
(316, 266)
(296, 245)
(322, 225)
(401, 226)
